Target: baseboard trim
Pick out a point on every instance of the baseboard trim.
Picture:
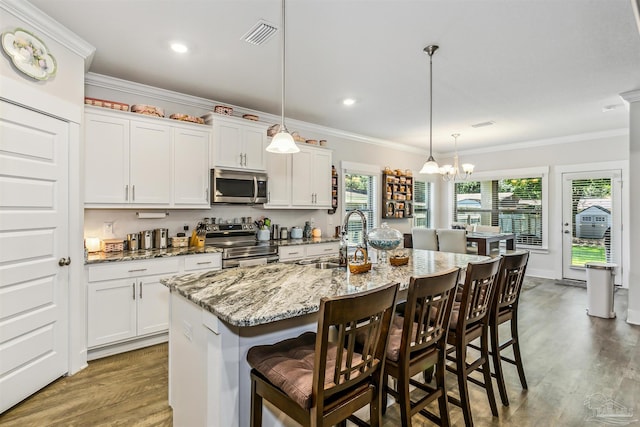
(633, 317)
(110, 350)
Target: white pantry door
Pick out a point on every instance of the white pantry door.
(33, 242)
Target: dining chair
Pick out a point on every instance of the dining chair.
(424, 238)
(407, 240)
(321, 382)
(452, 240)
(470, 321)
(418, 341)
(505, 308)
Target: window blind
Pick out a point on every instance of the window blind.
(591, 213)
(360, 193)
(513, 204)
(422, 203)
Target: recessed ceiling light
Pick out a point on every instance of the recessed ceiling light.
(179, 47)
(348, 101)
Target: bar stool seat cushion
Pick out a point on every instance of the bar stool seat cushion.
(288, 365)
(395, 337)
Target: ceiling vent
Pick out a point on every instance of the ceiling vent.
(260, 33)
(483, 124)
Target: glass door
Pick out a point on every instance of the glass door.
(591, 221)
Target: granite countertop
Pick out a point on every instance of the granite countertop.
(249, 296)
(100, 257)
(309, 241)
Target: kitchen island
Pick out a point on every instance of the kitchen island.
(217, 316)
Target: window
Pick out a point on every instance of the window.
(360, 190)
(422, 191)
(514, 203)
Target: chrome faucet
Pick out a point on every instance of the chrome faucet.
(364, 227)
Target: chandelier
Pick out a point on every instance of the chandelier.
(453, 172)
(282, 141)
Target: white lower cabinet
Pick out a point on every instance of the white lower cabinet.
(312, 250)
(128, 307)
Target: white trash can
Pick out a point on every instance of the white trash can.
(600, 289)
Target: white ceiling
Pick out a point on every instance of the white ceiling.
(538, 68)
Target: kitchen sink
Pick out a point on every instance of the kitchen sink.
(326, 265)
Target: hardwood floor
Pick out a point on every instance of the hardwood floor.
(128, 389)
(568, 358)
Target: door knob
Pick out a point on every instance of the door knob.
(566, 231)
(64, 261)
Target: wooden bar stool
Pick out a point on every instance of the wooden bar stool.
(321, 383)
(469, 321)
(505, 308)
(418, 341)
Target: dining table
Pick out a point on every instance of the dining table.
(484, 240)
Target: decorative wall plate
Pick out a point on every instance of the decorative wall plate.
(29, 54)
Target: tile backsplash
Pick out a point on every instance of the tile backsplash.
(125, 221)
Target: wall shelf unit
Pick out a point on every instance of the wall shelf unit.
(397, 195)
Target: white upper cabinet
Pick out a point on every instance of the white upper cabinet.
(279, 182)
(237, 143)
(135, 161)
(150, 163)
(300, 180)
(191, 171)
(106, 159)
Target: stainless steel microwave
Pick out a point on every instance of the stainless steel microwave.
(229, 186)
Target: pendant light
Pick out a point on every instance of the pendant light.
(283, 142)
(430, 166)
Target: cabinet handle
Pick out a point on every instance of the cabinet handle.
(126, 193)
(245, 159)
(294, 253)
(203, 262)
(133, 288)
(133, 191)
(268, 196)
(206, 194)
(140, 290)
(137, 269)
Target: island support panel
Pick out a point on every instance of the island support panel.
(209, 377)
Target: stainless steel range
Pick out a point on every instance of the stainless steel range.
(239, 245)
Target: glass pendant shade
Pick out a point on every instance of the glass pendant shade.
(430, 166)
(283, 143)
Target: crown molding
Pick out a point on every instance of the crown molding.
(569, 139)
(34, 17)
(116, 84)
(113, 83)
(631, 96)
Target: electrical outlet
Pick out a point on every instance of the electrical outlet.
(186, 227)
(107, 229)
